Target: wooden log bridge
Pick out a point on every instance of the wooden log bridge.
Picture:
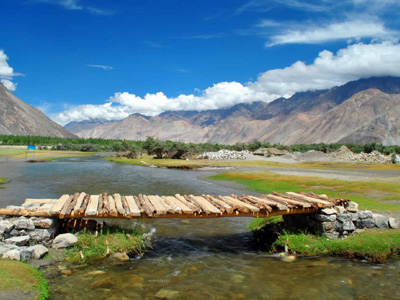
(82, 205)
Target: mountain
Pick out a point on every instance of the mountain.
(19, 118)
(362, 111)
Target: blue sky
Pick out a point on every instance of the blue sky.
(85, 59)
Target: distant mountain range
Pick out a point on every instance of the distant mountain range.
(362, 111)
(19, 118)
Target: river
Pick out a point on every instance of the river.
(190, 259)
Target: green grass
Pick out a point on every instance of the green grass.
(3, 181)
(258, 223)
(113, 240)
(18, 276)
(20, 153)
(197, 163)
(368, 194)
(373, 245)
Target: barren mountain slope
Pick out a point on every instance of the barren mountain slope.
(19, 118)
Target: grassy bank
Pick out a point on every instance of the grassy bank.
(21, 281)
(148, 160)
(20, 153)
(368, 194)
(3, 181)
(91, 247)
(373, 245)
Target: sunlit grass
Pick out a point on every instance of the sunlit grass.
(368, 194)
(20, 153)
(17, 276)
(374, 245)
(196, 163)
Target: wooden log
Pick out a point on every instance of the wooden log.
(160, 209)
(118, 204)
(137, 201)
(222, 206)
(148, 207)
(322, 198)
(67, 204)
(278, 197)
(25, 212)
(259, 201)
(125, 206)
(72, 205)
(59, 205)
(79, 202)
(205, 205)
(242, 206)
(188, 204)
(194, 204)
(279, 201)
(184, 208)
(100, 206)
(113, 209)
(84, 205)
(38, 201)
(269, 202)
(318, 202)
(175, 208)
(133, 208)
(92, 206)
(47, 206)
(106, 206)
(168, 207)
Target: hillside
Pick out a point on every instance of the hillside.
(19, 118)
(361, 111)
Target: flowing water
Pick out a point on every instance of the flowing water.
(190, 259)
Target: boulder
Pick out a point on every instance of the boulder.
(12, 254)
(24, 223)
(380, 221)
(18, 240)
(16, 232)
(328, 211)
(394, 223)
(44, 222)
(39, 251)
(331, 235)
(6, 247)
(6, 226)
(364, 214)
(352, 206)
(346, 217)
(365, 223)
(340, 209)
(64, 240)
(122, 256)
(41, 235)
(348, 226)
(26, 253)
(326, 226)
(354, 216)
(325, 218)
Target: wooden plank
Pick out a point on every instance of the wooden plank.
(72, 205)
(64, 210)
(118, 204)
(194, 204)
(175, 208)
(226, 207)
(205, 205)
(269, 202)
(148, 207)
(93, 203)
(137, 201)
(125, 206)
(318, 202)
(59, 205)
(290, 200)
(326, 200)
(113, 209)
(168, 207)
(84, 205)
(38, 201)
(100, 206)
(47, 206)
(160, 209)
(134, 209)
(281, 201)
(184, 208)
(242, 206)
(187, 203)
(265, 203)
(79, 201)
(106, 205)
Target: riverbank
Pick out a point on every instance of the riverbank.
(21, 281)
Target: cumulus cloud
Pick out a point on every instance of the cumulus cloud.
(6, 72)
(312, 34)
(328, 70)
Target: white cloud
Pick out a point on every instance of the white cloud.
(11, 86)
(312, 34)
(75, 5)
(328, 70)
(101, 67)
(6, 72)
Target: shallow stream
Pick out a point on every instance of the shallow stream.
(190, 259)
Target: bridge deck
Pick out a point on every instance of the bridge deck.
(81, 205)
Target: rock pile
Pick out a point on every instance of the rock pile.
(373, 157)
(270, 152)
(26, 238)
(339, 222)
(224, 154)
